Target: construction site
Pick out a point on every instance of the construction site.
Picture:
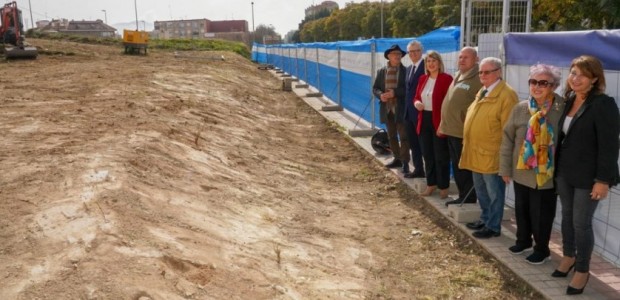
(139, 169)
(195, 177)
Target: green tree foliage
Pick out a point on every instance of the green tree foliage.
(350, 22)
(371, 22)
(447, 13)
(575, 14)
(409, 18)
(332, 26)
(262, 31)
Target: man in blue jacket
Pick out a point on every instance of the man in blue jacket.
(414, 71)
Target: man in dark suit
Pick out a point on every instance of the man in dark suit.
(389, 87)
(414, 71)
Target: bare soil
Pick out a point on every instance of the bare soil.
(132, 177)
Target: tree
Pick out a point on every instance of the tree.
(575, 14)
(350, 25)
(332, 27)
(411, 17)
(263, 31)
(447, 13)
(371, 23)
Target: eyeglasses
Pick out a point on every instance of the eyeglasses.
(415, 51)
(541, 83)
(487, 72)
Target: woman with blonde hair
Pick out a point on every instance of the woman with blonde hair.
(432, 89)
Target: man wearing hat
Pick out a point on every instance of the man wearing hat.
(389, 87)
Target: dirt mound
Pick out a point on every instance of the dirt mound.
(131, 177)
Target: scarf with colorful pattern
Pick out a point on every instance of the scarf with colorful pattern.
(538, 148)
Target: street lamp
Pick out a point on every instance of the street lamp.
(105, 15)
(253, 34)
(135, 5)
(31, 19)
(381, 18)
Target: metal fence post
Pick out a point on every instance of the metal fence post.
(318, 71)
(288, 59)
(337, 107)
(462, 35)
(339, 84)
(373, 51)
(318, 78)
(297, 62)
(468, 40)
(371, 101)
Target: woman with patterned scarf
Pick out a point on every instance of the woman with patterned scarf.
(527, 158)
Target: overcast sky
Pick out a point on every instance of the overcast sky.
(284, 15)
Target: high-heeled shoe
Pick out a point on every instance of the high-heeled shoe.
(429, 191)
(443, 194)
(558, 273)
(574, 291)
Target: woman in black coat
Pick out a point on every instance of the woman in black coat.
(587, 167)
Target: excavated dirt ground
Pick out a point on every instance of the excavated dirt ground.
(126, 177)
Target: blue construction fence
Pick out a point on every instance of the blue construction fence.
(344, 71)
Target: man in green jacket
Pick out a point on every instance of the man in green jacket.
(461, 94)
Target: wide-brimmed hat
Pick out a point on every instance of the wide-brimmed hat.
(393, 48)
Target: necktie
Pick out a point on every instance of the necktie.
(484, 93)
(411, 73)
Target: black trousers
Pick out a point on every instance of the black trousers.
(397, 136)
(462, 178)
(534, 212)
(435, 152)
(414, 144)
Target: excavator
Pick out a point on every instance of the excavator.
(12, 35)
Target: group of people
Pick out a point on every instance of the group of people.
(547, 146)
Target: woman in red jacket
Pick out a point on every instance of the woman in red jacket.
(429, 96)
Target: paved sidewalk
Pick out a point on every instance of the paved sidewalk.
(605, 277)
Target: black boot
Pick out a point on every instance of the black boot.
(396, 163)
(406, 168)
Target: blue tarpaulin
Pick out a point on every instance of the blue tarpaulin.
(560, 48)
(318, 64)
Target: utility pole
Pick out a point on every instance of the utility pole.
(136, 7)
(381, 18)
(31, 19)
(253, 32)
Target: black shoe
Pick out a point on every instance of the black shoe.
(406, 168)
(416, 174)
(557, 273)
(518, 249)
(408, 175)
(394, 164)
(537, 258)
(475, 225)
(455, 201)
(573, 291)
(485, 233)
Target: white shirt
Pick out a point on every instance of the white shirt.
(427, 94)
(566, 124)
(492, 86)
